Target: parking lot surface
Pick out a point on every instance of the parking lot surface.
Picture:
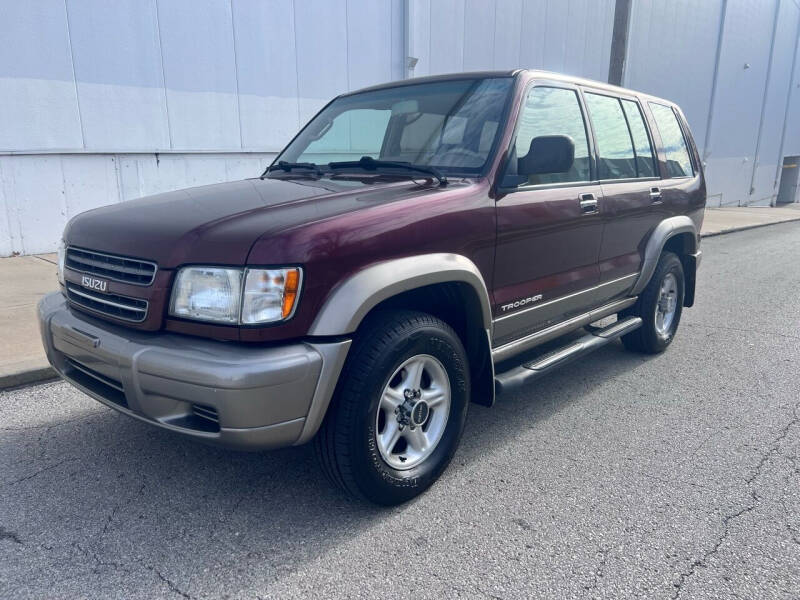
(619, 476)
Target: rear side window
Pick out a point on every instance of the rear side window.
(554, 111)
(678, 162)
(645, 165)
(615, 156)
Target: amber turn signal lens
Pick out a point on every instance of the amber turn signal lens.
(291, 287)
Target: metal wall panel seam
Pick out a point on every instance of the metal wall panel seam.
(764, 100)
(163, 75)
(118, 177)
(715, 77)
(406, 38)
(236, 75)
(788, 100)
(64, 202)
(296, 67)
(74, 78)
(6, 205)
(494, 35)
(430, 10)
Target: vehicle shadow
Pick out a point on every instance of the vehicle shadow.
(104, 493)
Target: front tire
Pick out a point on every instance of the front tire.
(399, 410)
(660, 306)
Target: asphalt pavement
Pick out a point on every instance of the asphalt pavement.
(619, 476)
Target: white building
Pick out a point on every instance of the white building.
(103, 101)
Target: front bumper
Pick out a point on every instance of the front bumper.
(235, 395)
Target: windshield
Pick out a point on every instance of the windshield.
(451, 126)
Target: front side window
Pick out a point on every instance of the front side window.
(450, 125)
(678, 162)
(616, 158)
(550, 111)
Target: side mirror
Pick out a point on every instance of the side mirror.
(547, 154)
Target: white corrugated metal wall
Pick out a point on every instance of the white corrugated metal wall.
(742, 52)
(104, 101)
(569, 36)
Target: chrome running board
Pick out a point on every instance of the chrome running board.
(537, 338)
(519, 376)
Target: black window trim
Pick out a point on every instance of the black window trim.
(689, 151)
(586, 127)
(653, 149)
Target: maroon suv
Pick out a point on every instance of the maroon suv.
(417, 246)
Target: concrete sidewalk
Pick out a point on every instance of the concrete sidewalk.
(734, 218)
(25, 279)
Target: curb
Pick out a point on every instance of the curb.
(745, 228)
(26, 377)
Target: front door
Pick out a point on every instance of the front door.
(549, 227)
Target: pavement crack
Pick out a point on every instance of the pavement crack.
(702, 444)
(774, 447)
(702, 562)
(7, 534)
(170, 584)
(118, 507)
(794, 532)
(98, 561)
(37, 473)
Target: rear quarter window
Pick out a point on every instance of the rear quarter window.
(676, 151)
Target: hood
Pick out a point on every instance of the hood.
(217, 224)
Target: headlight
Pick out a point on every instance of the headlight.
(235, 296)
(207, 294)
(62, 254)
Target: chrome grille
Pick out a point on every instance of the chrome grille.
(112, 305)
(108, 266)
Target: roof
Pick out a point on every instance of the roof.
(534, 73)
(434, 78)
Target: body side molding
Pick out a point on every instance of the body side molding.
(353, 298)
(666, 229)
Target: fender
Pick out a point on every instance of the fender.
(353, 298)
(655, 245)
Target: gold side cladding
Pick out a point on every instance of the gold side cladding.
(511, 349)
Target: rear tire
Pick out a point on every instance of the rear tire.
(660, 306)
(378, 442)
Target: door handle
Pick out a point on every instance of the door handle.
(588, 204)
(655, 194)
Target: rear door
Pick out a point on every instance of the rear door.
(632, 190)
(549, 227)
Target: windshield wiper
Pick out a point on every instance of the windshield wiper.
(289, 166)
(368, 163)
